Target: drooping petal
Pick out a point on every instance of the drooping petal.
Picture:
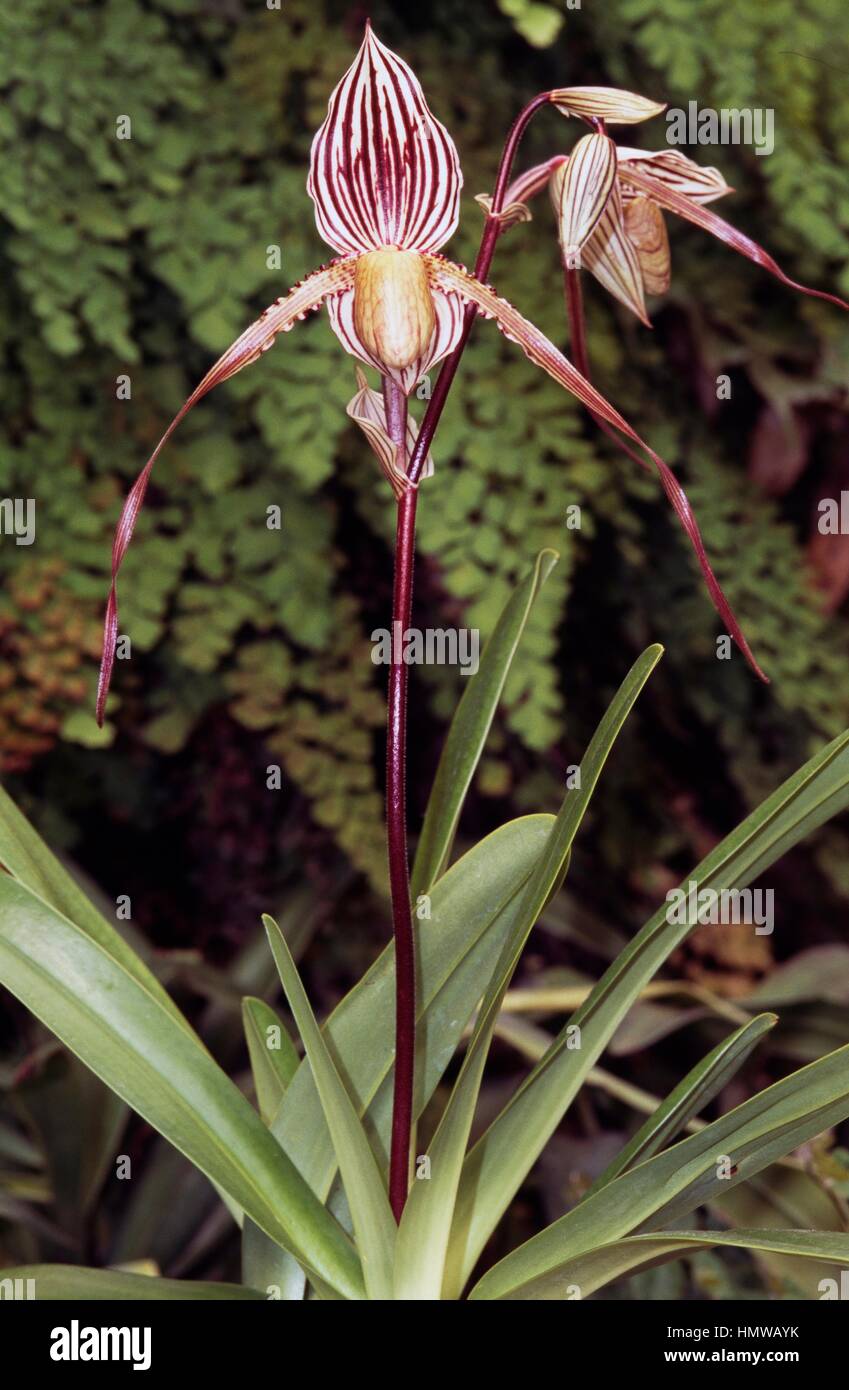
(612, 258)
(646, 229)
(454, 279)
(341, 311)
(525, 186)
(700, 182)
(693, 212)
(580, 189)
(610, 104)
(383, 170)
(367, 408)
(279, 317)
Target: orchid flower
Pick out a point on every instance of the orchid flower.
(385, 179)
(609, 201)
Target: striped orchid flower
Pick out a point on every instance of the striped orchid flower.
(610, 202)
(385, 179)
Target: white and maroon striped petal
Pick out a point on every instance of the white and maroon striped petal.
(454, 279)
(677, 171)
(612, 258)
(282, 315)
(367, 408)
(580, 189)
(383, 170)
(446, 335)
(692, 211)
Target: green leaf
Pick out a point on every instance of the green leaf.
(786, 1194)
(689, 1097)
(469, 728)
(425, 1229)
(272, 1067)
(472, 909)
(655, 1193)
(783, 1195)
(498, 1164)
(60, 1282)
(582, 1276)
(374, 1223)
(26, 857)
(124, 1033)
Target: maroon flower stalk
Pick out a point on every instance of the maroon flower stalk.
(396, 731)
(396, 820)
(580, 355)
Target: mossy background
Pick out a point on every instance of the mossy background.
(146, 257)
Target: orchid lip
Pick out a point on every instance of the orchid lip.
(394, 313)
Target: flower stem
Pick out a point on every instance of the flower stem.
(580, 356)
(577, 325)
(396, 822)
(395, 403)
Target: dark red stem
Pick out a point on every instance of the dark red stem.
(575, 310)
(396, 736)
(580, 356)
(396, 821)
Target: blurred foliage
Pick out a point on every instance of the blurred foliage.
(131, 263)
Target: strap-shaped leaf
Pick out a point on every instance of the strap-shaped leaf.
(426, 1224)
(690, 1096)
(502, 1158)
(668, 1186)
(472, 908)
(124, 1033)
(274, 1057)
(27, 858)
(470, 726)
(374, 1224)
(581, 1277)
(785, 1194)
